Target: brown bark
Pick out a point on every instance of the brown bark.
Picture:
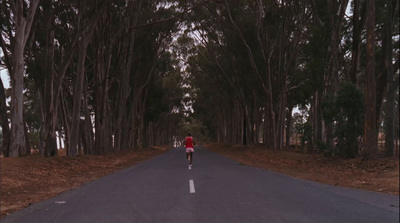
(288, 126)
(370, 131)
(388, 47)
(27, 150)
(358, 24)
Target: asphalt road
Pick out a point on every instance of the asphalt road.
(215, 189)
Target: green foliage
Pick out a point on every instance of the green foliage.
(346, 113)
(350, 119)
(329, 109)
(326, 150)
(305, 129)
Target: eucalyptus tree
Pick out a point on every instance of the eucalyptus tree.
(20, 14)
(271, 46)
(392, 11)
(104, 51)
(4, 63)
(56, 40)
(370, 129)
(358, 20)
(91, 11)
(4, 121)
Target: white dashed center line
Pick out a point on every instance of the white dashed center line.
(191, 187)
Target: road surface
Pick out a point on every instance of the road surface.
(215, 189)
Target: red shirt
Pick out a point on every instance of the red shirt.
(189, 142)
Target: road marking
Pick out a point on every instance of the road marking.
(60, 202)
(191, 186)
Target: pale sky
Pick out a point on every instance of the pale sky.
(5, 78)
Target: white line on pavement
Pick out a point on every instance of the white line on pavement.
(191, 186)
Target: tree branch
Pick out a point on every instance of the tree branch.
(28, 23)
(173, 17)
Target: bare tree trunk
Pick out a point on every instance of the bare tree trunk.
(65, 120)
(17, 125)
(355, 51)
(89, 26)
(121, 131)
(27, 143)
(288, 126)
(370, 131)
(4, 121)
(389, 122)
(123, 93)
(22, 30)
(316, 117)
(88, 128)
(76, 113)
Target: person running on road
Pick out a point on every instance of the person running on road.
(189, 145)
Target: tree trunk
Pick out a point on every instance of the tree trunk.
(4, 121)
(22, 29)
(65, 116)
(89, 26)
(389, 118)
(288, 126)
(27, 143)
(370, 131)
(355, 50)
(88, 128)
(76, 113)
(316, 118)
(17, 124)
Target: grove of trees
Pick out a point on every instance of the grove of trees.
(125, 74)
(254, 63)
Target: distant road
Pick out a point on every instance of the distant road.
(216, 189)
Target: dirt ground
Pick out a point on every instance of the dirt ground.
(31, 179)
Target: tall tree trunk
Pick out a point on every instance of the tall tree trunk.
(316, 117)
(22, 30)
(89, 26)
(65, 117)
(358, 24)
(389, 118)
(27, 143)
(17, 124)
(288, 125)
(123, 93)
(370, 131)
(4, 121)
(76, 113)
(121, 133)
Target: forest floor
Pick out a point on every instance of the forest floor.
(26, 180)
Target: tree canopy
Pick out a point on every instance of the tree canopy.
(124, 74)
